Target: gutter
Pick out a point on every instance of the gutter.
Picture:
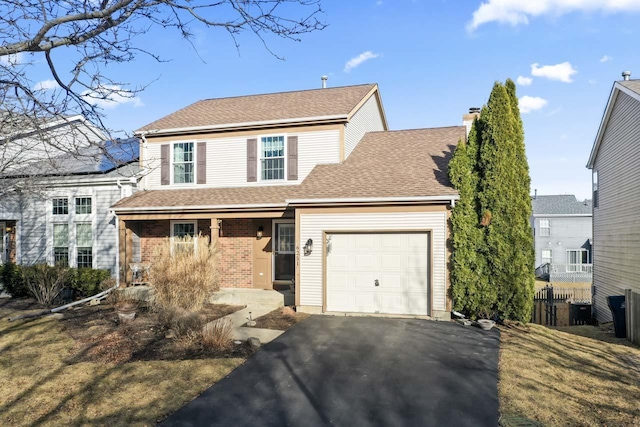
(190, 129)
(200, 207)
(448, 198)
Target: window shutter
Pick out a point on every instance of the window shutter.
(252, 160)
(201, 171)
(292, 158)
(165, 174)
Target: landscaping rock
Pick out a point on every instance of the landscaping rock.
(170, 334)
(94, 301)
(253, 342)
(251, 323)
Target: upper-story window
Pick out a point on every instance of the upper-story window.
(83, 205)
(61, 206)
(183, 163)
(545, 228)
(272, 157)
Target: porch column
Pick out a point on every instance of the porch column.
(215, 230)
(125, 240)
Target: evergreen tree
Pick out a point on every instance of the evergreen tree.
(492, 259)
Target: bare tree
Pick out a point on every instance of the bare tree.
(99, 33)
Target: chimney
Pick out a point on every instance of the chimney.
(467, 119)
(626, 75)
(324, 81)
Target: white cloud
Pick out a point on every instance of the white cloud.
(516, 12)
(13, 59)
(531, 103)
(606, 58)
(110, 96)
(524, 81)
(46, 85)
(561, 72)
(356, 61)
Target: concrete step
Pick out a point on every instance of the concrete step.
(264, 335)
(249, 297)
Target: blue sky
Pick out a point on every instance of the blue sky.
(433, 59)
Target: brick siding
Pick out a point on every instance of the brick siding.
(235, 245)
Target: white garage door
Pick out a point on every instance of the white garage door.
(378, 273)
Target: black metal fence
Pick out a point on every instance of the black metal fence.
(561, 306)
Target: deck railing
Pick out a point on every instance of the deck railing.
(570, 273)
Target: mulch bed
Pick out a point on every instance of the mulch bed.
(100, 337)
(280, 319)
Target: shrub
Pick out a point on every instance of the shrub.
(12, 281)
(45, 282)
(186, 325)
(87, 281)
(184, 273)
(217, 334)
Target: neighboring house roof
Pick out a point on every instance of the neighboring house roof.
(629, 87)
(565, 204)
(103, 158)
(393, 165)
(404, 163)
(18, 126)
(335, 103)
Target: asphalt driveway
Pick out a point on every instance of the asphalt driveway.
(359, 371)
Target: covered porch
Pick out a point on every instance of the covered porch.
(257, 249)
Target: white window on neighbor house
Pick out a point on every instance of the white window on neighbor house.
(183, 235)
(545, 228)
(547, 256)
(272, 157)
(60, 206)
(83, 205)
(61, 244)
(183, 163)
(576, 258)
(84, 246)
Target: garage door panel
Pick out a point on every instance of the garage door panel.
(399, 261)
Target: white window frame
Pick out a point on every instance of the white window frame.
(75, 205)
(76, 246)
(595, 195)
(172, 163)
(576, 266)
(550, 257)
(72, 219)
(59, 215)
(547, 228)
(195, 231)
(54, 246)
(261, 158)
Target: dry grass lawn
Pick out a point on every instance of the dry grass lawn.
(40, 386)
(577, 376)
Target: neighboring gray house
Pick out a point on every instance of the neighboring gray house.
(615, 162)
(562, 238)
(58, 210)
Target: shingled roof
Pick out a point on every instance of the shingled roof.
(403, 163)
(304, 104)
(565, 204)
(633, 85)
(391, 164)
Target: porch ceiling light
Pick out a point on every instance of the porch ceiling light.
(8, 229)
(259, 232)
(308, 247)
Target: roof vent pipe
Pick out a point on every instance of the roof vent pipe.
(535, 193)
(324, 82)
(626, 75)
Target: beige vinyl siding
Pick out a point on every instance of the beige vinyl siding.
(313, 225)
(151, 163)
(227, 159)
(616, 221)
(366, 119)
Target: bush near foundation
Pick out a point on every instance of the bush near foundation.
(184, 273)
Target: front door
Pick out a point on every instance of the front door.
(2, 243)
(284, 251)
